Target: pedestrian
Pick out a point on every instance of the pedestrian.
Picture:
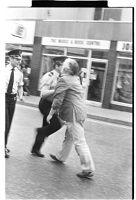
(14, 82)
(26, 80)
(47, 85)
(69, 102)
(20, 93)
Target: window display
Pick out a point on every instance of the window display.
(53, 50)
(96, 81)
(77, 52)
(123, 84)
(100, 54)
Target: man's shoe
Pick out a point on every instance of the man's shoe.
(7, 150)
(6, 155)
(37, 153)
(56, 159)
(87, 175)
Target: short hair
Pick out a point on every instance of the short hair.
(73, 66)
(58, 61)
(59, 58)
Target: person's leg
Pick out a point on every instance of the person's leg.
(82, 148)
(63, 154)
(44, 132)
(44, 123)
(38, 141)
(44, 107)
(7, 125)
(9, 112)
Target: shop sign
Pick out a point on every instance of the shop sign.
(18, 31)
(77, 43)
(124, 46)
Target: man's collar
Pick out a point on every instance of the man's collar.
(56, 73)
(11, 67)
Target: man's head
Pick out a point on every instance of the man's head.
(58, 62)
(71, 67)
(15, 57)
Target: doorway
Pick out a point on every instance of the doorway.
(96, 82)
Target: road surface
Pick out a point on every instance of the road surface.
(28, 177)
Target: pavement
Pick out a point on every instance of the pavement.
(93, 112)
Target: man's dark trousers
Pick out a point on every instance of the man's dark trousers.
(9, 112)
(46, 129)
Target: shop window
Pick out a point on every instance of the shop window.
(83, 71)
(98, 14)
(46, 65)
(100, 54)
(123, 83)
(124, 54)
(77, 52)
(26, 63)
(53, 50)
(112, 14)
(26, 59)
(96, 81)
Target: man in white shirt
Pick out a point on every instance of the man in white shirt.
(13, 83)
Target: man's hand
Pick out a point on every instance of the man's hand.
(49, 118)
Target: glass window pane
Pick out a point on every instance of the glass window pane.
(99, 54)
(125, 54)
(112, 14)
(123, 87)
(77, 52)
(96, 81)
(53, 50)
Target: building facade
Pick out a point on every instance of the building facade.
(100, 39)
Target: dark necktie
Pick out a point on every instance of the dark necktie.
(11, 81)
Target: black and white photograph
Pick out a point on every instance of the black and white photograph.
(68, 87)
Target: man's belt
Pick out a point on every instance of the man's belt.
(11, 96)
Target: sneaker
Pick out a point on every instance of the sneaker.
(56, 159)
(37, 154)
(87, 175)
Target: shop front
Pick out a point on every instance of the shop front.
(105, 61)
(91, 56)
(122, 93)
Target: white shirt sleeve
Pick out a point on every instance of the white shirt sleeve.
(45, 81)
(45, 84)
